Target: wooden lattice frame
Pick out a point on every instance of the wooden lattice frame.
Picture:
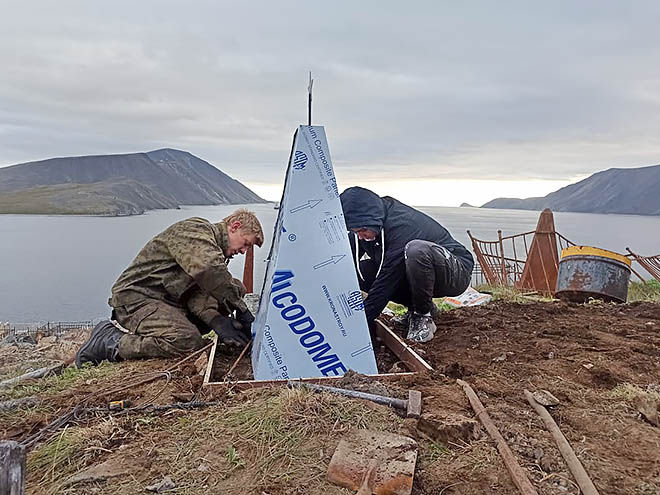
(505, 261)
(650, 263)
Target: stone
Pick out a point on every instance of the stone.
(44, 341)
(452, 428)
(648, 408)
(99, 472)
(164, 485)
(545, 398)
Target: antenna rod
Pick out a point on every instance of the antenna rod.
(309, 99)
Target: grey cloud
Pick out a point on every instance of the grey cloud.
(423, 89)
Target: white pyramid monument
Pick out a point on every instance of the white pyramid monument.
(310, 321)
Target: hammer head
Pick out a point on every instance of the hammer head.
(414, 409)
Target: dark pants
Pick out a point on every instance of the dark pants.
(157, 330)
(432, 271)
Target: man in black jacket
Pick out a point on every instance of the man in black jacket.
(405, 256)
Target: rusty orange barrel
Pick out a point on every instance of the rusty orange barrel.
(586, 271)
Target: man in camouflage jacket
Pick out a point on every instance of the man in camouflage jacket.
(176, 287)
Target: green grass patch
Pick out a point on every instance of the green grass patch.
(400, 309)
(644, 291)
(437, 451)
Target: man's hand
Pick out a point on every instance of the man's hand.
(246, 319)
(230, 331)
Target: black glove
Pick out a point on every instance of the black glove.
(230, 331)
(245, 318)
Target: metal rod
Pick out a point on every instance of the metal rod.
(238, 360)
(309, 99)
(354, 394)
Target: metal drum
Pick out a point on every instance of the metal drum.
(586, 272)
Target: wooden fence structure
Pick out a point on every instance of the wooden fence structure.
(650, 263)
(529, 260)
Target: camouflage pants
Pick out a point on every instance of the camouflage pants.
(157, 330)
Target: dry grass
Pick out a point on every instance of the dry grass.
(646, 291)
(264, 440)
(50, 465)
(282, 436)
(630, 392)
(68, 378)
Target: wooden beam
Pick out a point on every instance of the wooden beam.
(518, 474)
(248, 270)
(12, 468)
(209, 364)
(403, 351)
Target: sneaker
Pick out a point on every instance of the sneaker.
(103, 343)
(401, 320)
(421, 328)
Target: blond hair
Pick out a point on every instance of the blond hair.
(249, 223)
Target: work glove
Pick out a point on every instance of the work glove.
(230, 331)
(246, 319)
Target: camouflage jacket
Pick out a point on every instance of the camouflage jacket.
(184, 266)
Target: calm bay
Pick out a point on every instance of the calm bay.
(61, 268)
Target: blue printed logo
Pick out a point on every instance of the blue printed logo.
(355, 301)
(300, 160)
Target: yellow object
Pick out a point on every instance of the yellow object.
(593, 251)
(118, 405)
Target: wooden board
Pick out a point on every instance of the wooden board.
(403, 351)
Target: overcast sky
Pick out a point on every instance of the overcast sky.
(431, 102)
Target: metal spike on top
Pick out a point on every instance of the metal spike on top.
(309, 99)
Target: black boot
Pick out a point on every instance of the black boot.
(103, 344)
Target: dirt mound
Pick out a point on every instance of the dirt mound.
(597, 359)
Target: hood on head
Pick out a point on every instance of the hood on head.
(363, 209)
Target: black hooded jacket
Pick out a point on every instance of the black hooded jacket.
(380, 263)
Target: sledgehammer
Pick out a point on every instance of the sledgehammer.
(412, 406)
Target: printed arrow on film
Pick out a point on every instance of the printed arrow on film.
(310, 204)
(332, 261)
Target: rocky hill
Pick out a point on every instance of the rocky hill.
(631, 191)
(117, 184)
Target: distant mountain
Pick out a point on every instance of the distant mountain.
(466, 205)
(627, 191)
(117, 184)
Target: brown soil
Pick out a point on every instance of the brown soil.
(582, 354)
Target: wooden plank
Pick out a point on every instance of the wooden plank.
(248, 270)
(583, 480)
(12, 468)
(209, 365)
(518, 474)
(541, 269)
(403, 351)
